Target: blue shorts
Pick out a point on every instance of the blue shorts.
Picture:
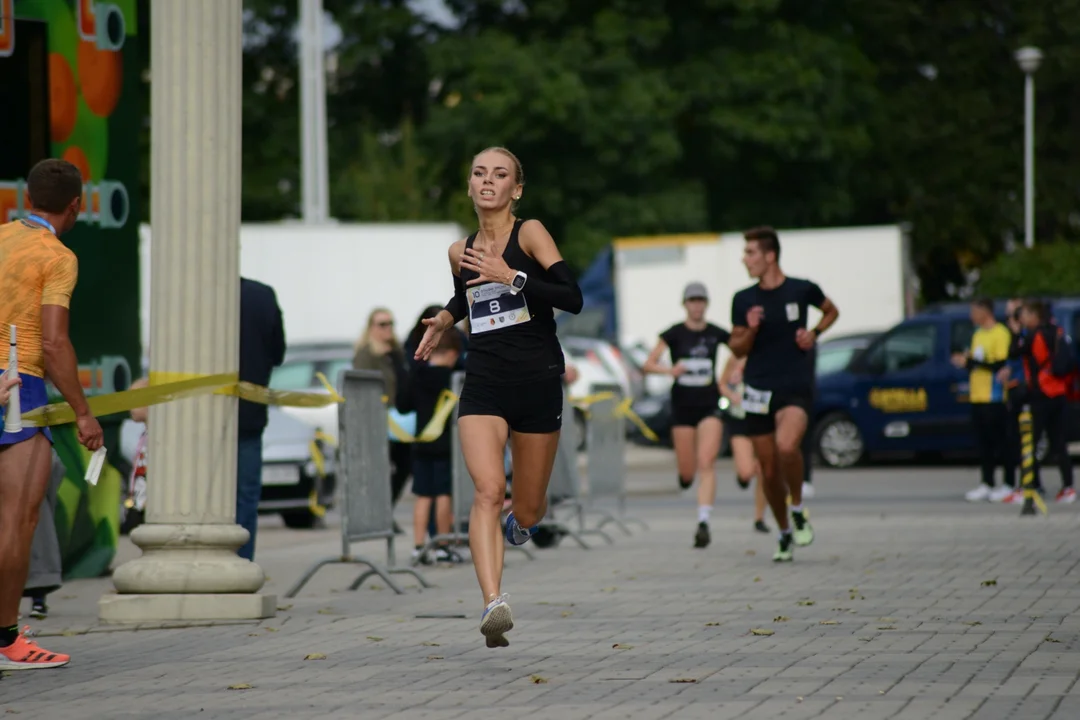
(32, 395)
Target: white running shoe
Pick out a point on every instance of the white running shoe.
(999, 493)
(979, 494)
(807, 491)
(497, 621)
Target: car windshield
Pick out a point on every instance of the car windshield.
(300, 374)
(835, 359)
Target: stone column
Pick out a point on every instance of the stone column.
(189, 569)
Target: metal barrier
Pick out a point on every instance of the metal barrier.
(364, 477)
(606, 449)
(461, 501)
(564, 488)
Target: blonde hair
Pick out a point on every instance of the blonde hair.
(365, 337)
(519, 169)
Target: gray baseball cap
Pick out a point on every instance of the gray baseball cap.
(695, 290)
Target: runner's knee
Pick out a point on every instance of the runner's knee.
(489, 496)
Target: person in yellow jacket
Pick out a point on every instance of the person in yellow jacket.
(988, 354)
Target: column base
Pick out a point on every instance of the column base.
(135, 609)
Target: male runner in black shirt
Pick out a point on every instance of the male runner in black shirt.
(769, 329)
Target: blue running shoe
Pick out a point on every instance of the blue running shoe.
(515, 534)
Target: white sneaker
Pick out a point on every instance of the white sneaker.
(807, 490)
(1000, 493)
(982, 492)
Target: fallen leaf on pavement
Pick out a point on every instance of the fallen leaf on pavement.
(315, 656)
(283, 608)
(866, 639)
(713, 624)
(567, 613)
(887, 627)
(683, 680)
(537, 680)
(372, 638)
(620, 646)
(430, 644)
(1050, 639)
(757, 579)
(761, 631)
(989, 583)
(240, 686)
(327, 611)
(751, 552)
(434, 657)
(609, 589)
(805, 603)
(973, 623)
(780, 618)
(829, 622)
(270, 629)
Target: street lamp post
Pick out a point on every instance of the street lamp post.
(1029, 59)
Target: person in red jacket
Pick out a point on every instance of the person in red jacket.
(1049, 404)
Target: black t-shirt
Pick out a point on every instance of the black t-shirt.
(775, 362)
(696, 350)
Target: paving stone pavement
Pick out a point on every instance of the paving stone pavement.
(911, 604)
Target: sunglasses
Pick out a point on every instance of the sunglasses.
(385, 324)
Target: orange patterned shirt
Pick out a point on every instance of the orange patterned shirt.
(35, 269)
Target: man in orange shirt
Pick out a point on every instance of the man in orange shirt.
(37, 277)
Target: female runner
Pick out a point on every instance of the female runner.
(742, 450)
(696, 430)
(508, 278)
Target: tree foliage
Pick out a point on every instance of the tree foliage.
(658, 116)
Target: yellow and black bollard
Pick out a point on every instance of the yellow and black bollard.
(1032, 498)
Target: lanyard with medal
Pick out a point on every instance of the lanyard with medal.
(38, 220)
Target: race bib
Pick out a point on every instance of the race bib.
(492, 306)
(792, 310)
(979, 354)
(699, 372)
(756, 401)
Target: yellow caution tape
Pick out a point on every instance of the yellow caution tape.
(167, 387)
(319, 460)
(436, 425)
(623, 409)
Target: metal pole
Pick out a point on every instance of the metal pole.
(314, 173)
(1029, 160)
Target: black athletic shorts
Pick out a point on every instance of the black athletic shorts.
(734, 426)
(431, 476)
(692, 415)
(764, 423)
(531, 406)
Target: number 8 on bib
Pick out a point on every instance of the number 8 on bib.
(493, 306)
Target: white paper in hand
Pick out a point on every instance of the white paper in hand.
(93, 469)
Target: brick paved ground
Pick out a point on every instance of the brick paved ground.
(911, 604)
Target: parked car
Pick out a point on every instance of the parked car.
(619, 370)
(903, 395)
(654, 385)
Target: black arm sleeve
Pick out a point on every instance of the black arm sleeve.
(563, 293)
(992, 367)
(458, 307)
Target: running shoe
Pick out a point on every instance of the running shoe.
(761, 527)
(39, 610)
(25, 654)
(515, 534)
(783, 553)
(421, 557)
(999, 494)
(979, 494)
(1015, 497)
(448, 555)
(804, 534)
(1066, 496)
(701, 538)
(497, 621)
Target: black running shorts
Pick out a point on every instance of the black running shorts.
(683, 416)
(534, 406)
(764, 423)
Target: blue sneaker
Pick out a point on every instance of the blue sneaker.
(515, 534)
(497, 621)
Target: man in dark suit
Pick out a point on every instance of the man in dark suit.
(262, 348)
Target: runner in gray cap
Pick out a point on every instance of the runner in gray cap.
(696, 430)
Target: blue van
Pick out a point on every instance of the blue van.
(903, 395)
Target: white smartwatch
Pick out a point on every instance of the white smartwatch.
(518, 283)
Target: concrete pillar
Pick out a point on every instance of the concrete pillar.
(189, 569)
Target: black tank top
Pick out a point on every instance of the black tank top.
(512, 337)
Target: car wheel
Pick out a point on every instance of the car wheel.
(300, 519)
(838, 441)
